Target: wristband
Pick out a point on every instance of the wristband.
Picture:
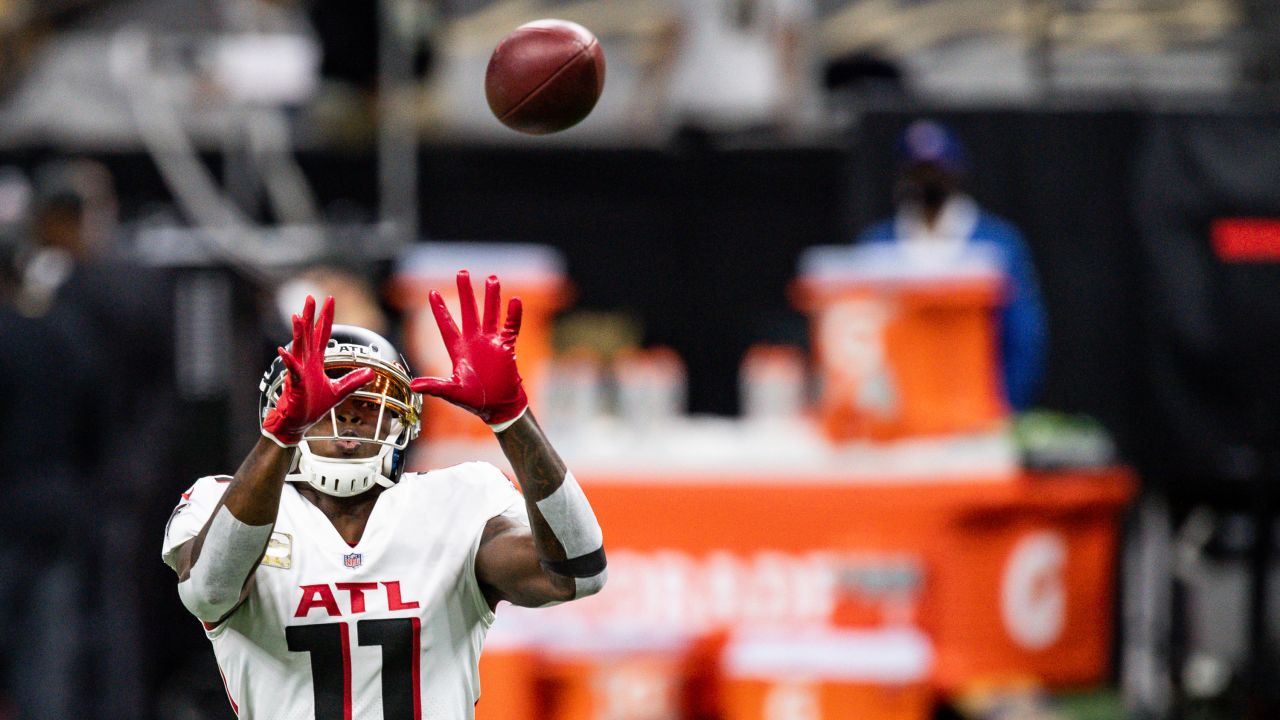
(287, 446)
(499, 427)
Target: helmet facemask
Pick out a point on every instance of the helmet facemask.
(361, 441)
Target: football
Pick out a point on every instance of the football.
(545, 76)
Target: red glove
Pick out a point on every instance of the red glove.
(308, 393)
(485, 381)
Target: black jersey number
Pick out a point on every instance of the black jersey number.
(330, 648)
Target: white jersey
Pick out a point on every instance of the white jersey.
(390, 628)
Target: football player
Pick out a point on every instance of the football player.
(332, 584)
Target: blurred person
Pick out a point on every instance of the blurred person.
(333, 584)
(350, 67)
(354, 298)
(49, 385)
(936, 220)
(75, 262)
(118, 315)
(742, 64)
(74, 217)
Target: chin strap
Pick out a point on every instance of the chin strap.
(343, 477)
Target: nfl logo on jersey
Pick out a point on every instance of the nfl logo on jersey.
(352, 560)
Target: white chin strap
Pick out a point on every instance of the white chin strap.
(343, 477)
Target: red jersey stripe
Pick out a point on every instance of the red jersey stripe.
(346, 670)
(416, 622)
(234, 707)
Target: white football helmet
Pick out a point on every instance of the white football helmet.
(367, 433)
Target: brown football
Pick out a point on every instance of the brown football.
(545, 76)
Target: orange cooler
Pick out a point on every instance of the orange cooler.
(904, 350)
(1024, 586)
(870, 675)
(534, 273)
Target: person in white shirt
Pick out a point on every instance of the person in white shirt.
(335, 586)
(743, 64)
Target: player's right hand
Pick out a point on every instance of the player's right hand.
(308, 393)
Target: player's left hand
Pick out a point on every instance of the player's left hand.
(485, 381)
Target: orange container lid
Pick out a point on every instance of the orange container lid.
(532, 268)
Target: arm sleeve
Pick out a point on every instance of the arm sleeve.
(1023, 331)
(193, 510)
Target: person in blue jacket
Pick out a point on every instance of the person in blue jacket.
(935, 218)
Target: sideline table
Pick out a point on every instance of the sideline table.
(1008, 575)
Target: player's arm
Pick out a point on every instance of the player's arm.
(215, 566)
(559, 556)
(213, 583)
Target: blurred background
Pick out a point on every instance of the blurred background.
(916, 355)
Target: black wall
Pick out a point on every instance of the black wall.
(703, 243)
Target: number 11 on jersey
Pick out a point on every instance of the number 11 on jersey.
(330, 648)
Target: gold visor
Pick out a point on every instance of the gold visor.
(389, 386)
